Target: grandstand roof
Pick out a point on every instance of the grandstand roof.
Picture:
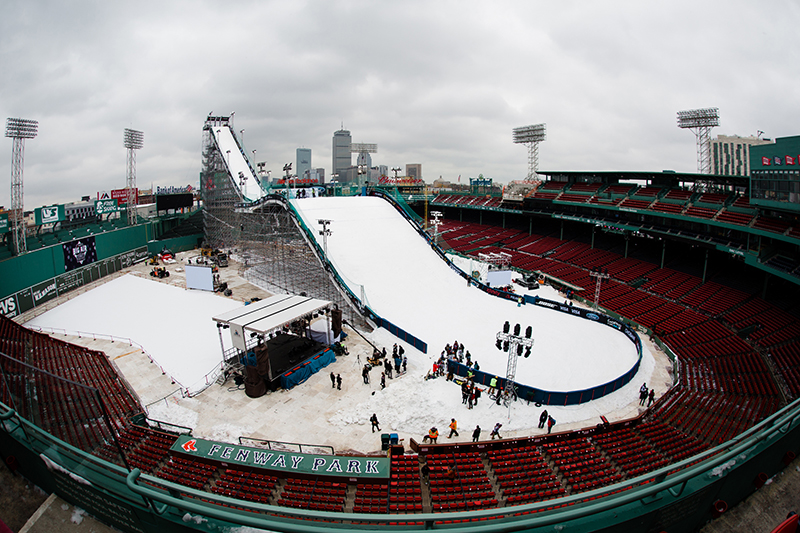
(623, 175)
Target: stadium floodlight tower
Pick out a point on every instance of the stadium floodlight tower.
(133, 140)
(515, 344)
(700, 121)
(19, 129)
(531, 136)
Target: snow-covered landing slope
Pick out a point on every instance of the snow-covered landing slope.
(405, 282)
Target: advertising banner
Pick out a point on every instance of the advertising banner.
(109, 205)
(4, 228)
(288, 462)
(79, 253)
(49, 214)
(121, 195)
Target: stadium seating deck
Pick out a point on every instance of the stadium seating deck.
(724, 387)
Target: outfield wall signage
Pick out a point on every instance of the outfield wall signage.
(49, 214)
(4, 228)
(288, 462)
(26, 299)
(121, 195)
(105, 206)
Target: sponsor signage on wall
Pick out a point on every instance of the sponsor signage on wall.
(108, 205)
(26, 299)
(4, 223)
(121, 195)
(49, 214)
(289, 462)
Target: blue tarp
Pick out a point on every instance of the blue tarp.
(303, 371)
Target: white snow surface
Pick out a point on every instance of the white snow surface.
(236, 163)
(406, 282)
(173, 325)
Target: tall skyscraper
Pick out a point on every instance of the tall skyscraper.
(341, 151)
(303, 165)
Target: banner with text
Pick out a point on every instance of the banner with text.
(49, 214)
(289, 462)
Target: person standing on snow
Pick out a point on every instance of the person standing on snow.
(453, 428)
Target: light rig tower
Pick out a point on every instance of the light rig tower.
(133, 140)
(700, 121)
(531, 136)
(19, 129)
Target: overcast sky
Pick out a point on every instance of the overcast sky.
(441, 83)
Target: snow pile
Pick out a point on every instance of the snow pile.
(172, 324)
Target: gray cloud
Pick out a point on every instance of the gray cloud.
(438, 83)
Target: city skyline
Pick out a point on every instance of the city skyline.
(439, 84)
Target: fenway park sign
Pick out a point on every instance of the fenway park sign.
(289, 462)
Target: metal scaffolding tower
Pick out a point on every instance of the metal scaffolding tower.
(599, 276)
(19, 129)
(265, 236)
(133, 140)
(515, 345)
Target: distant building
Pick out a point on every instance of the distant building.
(303, 163)
(414, 170)
(730, 155)
(79, 211)
(775, 178)
(341, 151)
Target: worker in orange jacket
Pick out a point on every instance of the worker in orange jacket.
(453, 428)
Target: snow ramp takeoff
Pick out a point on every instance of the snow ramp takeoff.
(239, 170)
(384, 261)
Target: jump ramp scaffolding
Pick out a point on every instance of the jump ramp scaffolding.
(262, 229)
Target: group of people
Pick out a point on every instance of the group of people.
(400, 362)
(336, 381)
(646, 396)
(433, 433)
(470, 393)
(546, 418)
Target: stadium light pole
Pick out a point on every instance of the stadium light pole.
(19, 129)
(132, 140)
(700, 122)
(515, 344)
(531, 136)
(436, 223)
(599, 276)
(324, 232)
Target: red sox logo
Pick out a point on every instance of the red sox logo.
(189, 445)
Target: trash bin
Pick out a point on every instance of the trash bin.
(394, 439)
(384, 441)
